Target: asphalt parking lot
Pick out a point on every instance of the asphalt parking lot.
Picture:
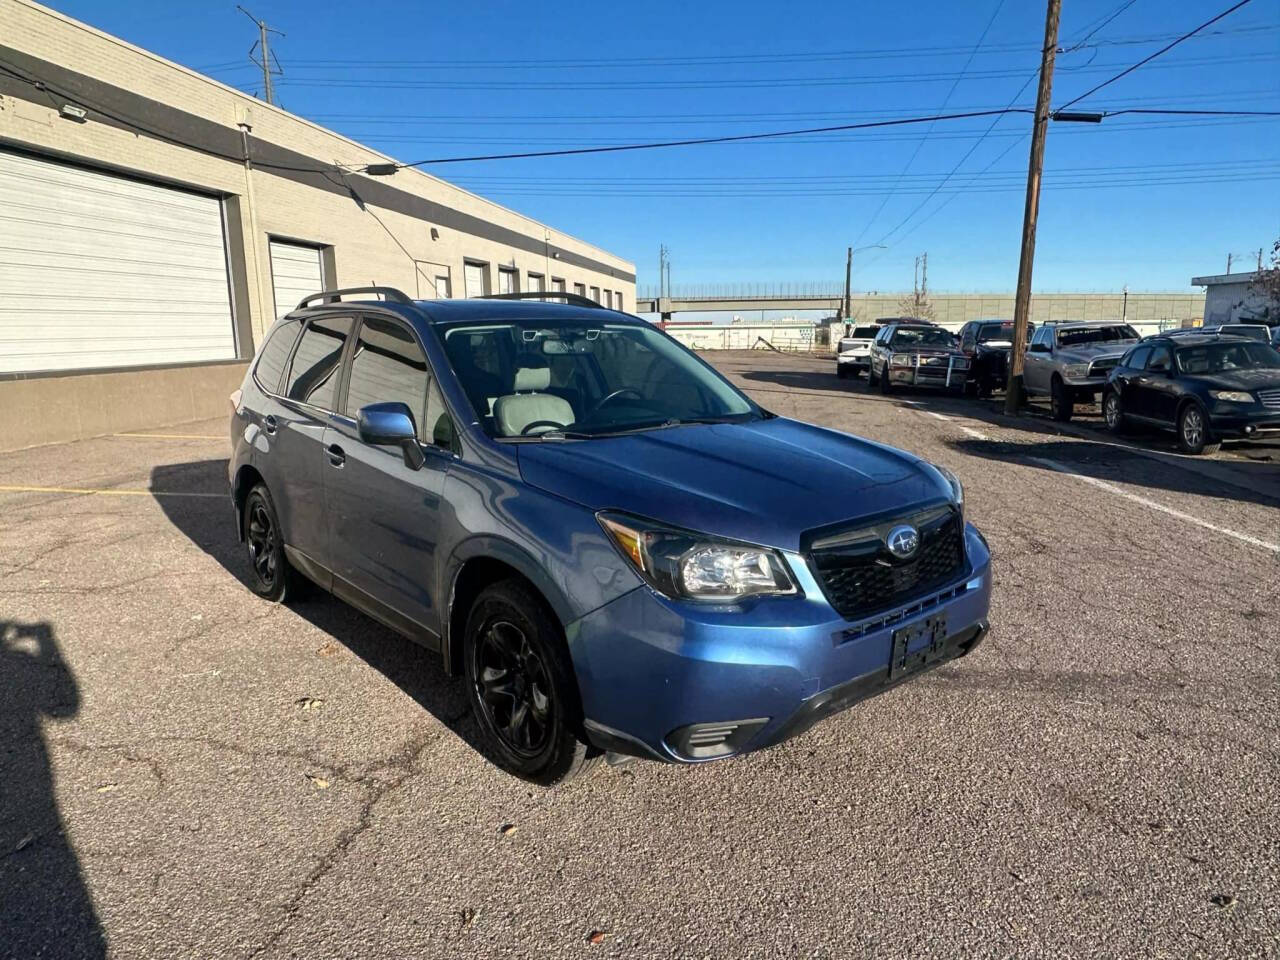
(187, 771)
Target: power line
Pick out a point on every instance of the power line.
(1147, 59)
(737, 138)
(342, 80)
(812, 56)
(947, 99)
(1080, 44)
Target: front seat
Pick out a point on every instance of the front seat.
(529, 404)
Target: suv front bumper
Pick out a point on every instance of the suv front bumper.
(685, 682)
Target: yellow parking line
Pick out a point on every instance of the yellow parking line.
(171, 436)
(5, 488)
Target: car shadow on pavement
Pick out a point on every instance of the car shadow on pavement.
(45, 907)
(1256, 483)
(417, 671)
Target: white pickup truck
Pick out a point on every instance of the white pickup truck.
(854, 353)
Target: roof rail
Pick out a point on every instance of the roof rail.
(335, 296)
(576, 299)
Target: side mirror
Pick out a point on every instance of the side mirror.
(391, 425)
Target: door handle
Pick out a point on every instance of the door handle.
(336, 455)
(269, 425)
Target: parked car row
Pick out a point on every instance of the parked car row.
(1205, 384)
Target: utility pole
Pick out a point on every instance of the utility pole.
(1228, 263)
(1035, 169)
(266, 57)
(848, 275)
(924, 276)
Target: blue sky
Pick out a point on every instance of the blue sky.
(1138, 200)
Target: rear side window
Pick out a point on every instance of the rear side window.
(274, 355)
(313, 376)
(388, 366)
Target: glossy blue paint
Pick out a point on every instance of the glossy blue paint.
(395, 539)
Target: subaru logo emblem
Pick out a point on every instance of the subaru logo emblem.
(902, 541)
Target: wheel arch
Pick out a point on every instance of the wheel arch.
(247, 477)
(474, 565)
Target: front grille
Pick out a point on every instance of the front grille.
(1269, 399)
(861, 578)
(1100, 368)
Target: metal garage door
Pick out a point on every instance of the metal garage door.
(98, 270)
(295, 273)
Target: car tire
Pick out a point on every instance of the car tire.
(871, 374)
(971, 388)
(1194, 436)
(886, 387)
(984, 388)
(271, 576)
(522, 688)
(841, 372)
(1061, 403)
(1113, 411)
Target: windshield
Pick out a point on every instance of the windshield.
(1001, 333)
(541, 377)
(1227, 357)
(1112, 333)
(923, 337)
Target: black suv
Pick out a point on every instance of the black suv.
(1204, 387)
(987, 344)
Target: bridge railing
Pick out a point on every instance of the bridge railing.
(739, 291)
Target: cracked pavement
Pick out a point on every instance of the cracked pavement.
(188, 771)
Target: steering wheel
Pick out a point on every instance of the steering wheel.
(613, 396)
(534, 424)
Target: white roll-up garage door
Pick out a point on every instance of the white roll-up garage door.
(296, 272)
(98, 270)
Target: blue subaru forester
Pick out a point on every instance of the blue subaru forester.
(619, 551)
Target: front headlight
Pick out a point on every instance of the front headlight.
(1232, 396)
(689, 566)
(1076, 371)
(957, 488)
(902, 360)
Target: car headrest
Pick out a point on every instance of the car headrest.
(530, 379)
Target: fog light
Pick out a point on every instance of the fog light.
(706, 741)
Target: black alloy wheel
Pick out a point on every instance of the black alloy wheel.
(270, 574)
(513, 686)
(521, 685)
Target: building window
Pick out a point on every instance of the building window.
(580, 289)
(508, 280)
(557, 284)
(536, 284)
(617, 301)
(608, 299)
(443, 291)
(595, 294)
(474, 277)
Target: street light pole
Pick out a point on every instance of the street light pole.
(1022, 301)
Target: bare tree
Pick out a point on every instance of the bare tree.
(917, 305)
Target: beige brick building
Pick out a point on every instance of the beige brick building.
(153, 222)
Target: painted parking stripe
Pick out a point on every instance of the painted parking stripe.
(976, 434)
(171, 436)
(1134, 498)
(5, 488)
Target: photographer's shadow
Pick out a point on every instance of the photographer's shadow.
(45, 907)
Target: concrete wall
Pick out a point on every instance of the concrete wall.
(959, 308)
(150, 118)
(55, 409)
(743, 336)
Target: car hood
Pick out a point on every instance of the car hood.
(1260, 379)
(764, 482)
(1093, 351)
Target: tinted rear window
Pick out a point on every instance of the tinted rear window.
(313, 376)
(864, 333)
(274, 355)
